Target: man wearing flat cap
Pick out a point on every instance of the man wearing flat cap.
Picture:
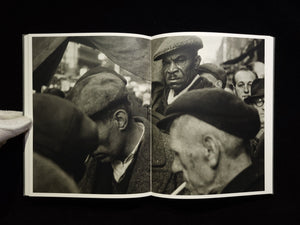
(210, 140)
(180, 61)
(63, 136)
(214, 73)
(121, 163)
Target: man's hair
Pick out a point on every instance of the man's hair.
(244, 68)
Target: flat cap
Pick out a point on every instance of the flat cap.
(171, 44)
(257, 90)
(217, 107)
(97, 89)
(62, 133)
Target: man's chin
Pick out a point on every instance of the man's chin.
(102, 158)
(105, 160)
(176, 87)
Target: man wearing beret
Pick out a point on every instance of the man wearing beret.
(121, 163)
(210, 140)
(180, 61)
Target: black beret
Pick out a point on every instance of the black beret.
(97, 89)
(171, 44)
(217, 107)
(62, 133)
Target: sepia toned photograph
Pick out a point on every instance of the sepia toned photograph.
(208, 98)
(177, 115)
(91, 102)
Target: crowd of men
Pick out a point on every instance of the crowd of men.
(202, 133)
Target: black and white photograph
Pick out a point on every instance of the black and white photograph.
(91, 102)
(208, 97)
(176, 115)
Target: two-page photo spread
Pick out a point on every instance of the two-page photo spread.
(177, 115)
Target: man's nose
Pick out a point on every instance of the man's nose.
(172, 68)
(246, 89)
(176, 167)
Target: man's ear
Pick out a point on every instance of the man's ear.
(121, 117)
(219, 83)
(197, 61)
(212, 150)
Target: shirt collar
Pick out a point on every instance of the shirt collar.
(120, 167)
(172, 98)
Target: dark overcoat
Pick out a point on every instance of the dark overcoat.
(160, 95)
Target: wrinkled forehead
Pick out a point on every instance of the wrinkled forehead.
(186, 52)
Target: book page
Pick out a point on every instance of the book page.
(64, 157)
(212, 115)
(89, 98)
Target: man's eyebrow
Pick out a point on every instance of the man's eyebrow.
(174, 149)
(180, 57)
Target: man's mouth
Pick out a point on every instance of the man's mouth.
(174, 82)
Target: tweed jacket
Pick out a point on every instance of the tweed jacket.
(98, 178)
(163, 179)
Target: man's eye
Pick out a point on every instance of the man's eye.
(180, 60)
(165, 63)
(176, 154)
(240, 84)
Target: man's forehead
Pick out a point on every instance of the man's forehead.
(179, 52)
(244, 75)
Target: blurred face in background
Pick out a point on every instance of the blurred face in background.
(259, 104)
(243, 81)
(217, 83)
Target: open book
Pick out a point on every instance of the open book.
(176, 115)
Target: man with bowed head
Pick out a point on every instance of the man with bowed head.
(121, 162)
(211, 139)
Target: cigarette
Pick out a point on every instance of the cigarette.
(179, 189)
